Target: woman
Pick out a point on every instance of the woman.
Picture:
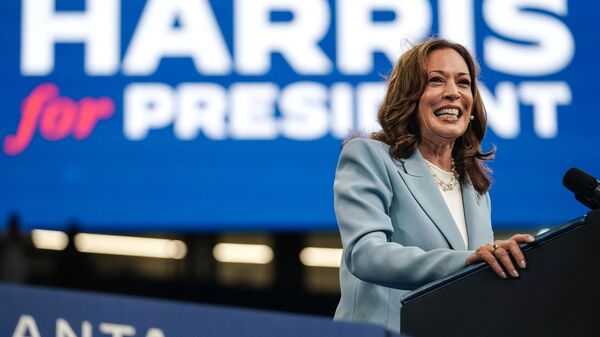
(412, 202)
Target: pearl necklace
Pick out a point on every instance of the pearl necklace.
(445, 186)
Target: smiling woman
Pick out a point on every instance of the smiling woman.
(445, 105)
(412, 202)
(434, 75)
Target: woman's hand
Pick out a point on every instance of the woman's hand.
(498, 254)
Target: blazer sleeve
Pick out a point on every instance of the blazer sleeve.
(362, 198)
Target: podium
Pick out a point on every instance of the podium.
(558, 294)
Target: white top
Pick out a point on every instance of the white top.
(453, 200)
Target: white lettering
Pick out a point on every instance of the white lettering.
(97, 28)
(358, 37)
(256, 37)
(342, 105)
(548, 47)
(369, 97)
(149, 105)
(26, 327)
(304, 114)
(198, 36)
(63, 329)
(545, 97)
(503, 110)
(117, 330)
(201, 106)
(307, 110)
(252, 114)
(456, 22)
(155, 332)
(311, 110)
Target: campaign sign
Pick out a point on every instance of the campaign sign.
(229, 114)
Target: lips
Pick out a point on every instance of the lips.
(447, 113)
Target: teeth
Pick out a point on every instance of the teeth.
(447, 111)
(448, 117)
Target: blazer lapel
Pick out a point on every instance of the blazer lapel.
(472, 201)
(416, 175)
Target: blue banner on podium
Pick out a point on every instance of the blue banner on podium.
(43, 312)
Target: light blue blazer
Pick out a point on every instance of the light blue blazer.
(396, 230)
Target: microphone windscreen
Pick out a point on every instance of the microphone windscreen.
(579, 182)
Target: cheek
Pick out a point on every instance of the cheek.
(425, 105)
(421, 112)
(468, 103)
(425, 118)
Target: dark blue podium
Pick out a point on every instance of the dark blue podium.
(557, 295)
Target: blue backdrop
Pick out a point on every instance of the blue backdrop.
(197, 115)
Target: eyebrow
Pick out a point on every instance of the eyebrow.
(445, 73)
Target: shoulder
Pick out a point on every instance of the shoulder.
(366, 146)
(363, 162)
(366, 156)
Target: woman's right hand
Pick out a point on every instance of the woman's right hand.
(498, 255)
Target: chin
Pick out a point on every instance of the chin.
(453, 134)
(452, 130)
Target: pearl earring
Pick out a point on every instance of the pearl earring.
(471, 118)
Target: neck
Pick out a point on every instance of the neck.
(439, 155)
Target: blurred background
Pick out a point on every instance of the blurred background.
(186, 149)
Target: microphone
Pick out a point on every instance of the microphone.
(585, 187)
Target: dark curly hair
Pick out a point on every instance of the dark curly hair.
(398, 114)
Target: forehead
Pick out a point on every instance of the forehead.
(446, 60)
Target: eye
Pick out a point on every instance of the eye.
(436, 79)
(464, 82)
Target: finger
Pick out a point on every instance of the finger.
(473, 258)
(502, 256)
(515, 251)
(523, 238)
(478, 254)
(490, 259)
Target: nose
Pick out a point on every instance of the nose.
(451, 91)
